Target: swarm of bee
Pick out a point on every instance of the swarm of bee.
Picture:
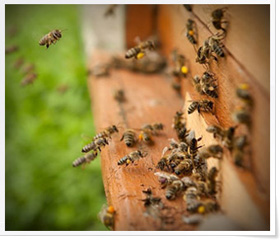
(50, 38)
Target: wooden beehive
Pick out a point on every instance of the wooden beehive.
(245, 192)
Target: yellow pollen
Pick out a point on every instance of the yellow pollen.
(191, 32)
(127, 161)
(110, 209)
(184, 69)
(201, 210)
(140, 55)
(244, 86)
(140, 137)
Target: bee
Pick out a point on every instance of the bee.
(192, 219)
(214, 150)
(150, 200)
(191, 34)
(238, 150)
(62, 88)
(206, 84)
(129, 137)
(119, 95)
(193, 144)
(188, 7)
(180, 69)
(188, 182)
(153, 128)
(211, 180)
(243, 93)
(216, 46)
(131, 157)
(146, 136)
(225, 135)
(165, 179)
(18, 63)
(85, 159)
(29, 79)
(96, 144)
(185, 167)
(242, 116)
(192, 199)
(200, 168)
(11, 49)
(203, 105)
(138, 52)
(204, 53)
(163, 163)
(217, 16)
(28, 68)
(107, 133)
(173, 189)
(50, 38)
(179, 123)
(107, 215)
(110, 11)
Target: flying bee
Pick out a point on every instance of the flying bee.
(18, 63)
(110, 11)
(11, 49)
(106, 216)
(203, 105)
(217, 16)
(211, 180)
(185, 167)
(50, 38)
(29, 79)
(28, 68)
(191, 33)
(214, 150)
(100, 70)
(138, 52)
(180, 68)
(119, 95)
(131, 157)
(165, 179)
(129, 137)
(173, 189)
(107, 133)
(85, 159)
(95, 144)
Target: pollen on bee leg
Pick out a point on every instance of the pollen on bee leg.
(140, 55)
(201, 209)
(244, 86)
(111, 209)
(184, 69)
(191, 32)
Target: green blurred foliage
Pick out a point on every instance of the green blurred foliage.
(44, 126)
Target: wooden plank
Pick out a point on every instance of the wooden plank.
(149, 99)
(171, 24)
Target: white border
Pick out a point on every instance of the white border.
(151, 233)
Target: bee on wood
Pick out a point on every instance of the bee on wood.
(100, 70)
(203, 105)
(242, 116)
(107, 133)
(154, 128)
(107, 216)
(85, 159)
(138, 52)
(216, 46)
(165, 179)
(110, 11)
(29, 79)
(193, 143)
(50, 38)
(204, 53)
(119, 95)
(180, 68)
(217, 16)
(163, 164)
(179, 124)
(191, 33)
(95, 144)
(214, 150)
(129, 137)
(200, 168)
(11, 49)
(243, 93)
(146, 136)
(150, 200)
(131, 157)
(192, 199)
(185, 167)
(206, 84)
(238, 150)
(173, 189)
(211, 180)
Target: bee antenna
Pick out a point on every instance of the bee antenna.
(66, 29)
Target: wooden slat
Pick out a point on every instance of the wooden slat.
(230, 73)
(149, 99)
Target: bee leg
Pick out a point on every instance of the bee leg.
(198, 109)
(99, 149)
(47, 45)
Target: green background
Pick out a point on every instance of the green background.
(44, 128)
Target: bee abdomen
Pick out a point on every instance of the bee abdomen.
(219, 51)
(123, 160)
(192, 107)
(89, 147)
(212, 93)
(191, 39)
(132, 52)
(87, 158)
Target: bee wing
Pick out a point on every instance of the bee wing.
(102, 212)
